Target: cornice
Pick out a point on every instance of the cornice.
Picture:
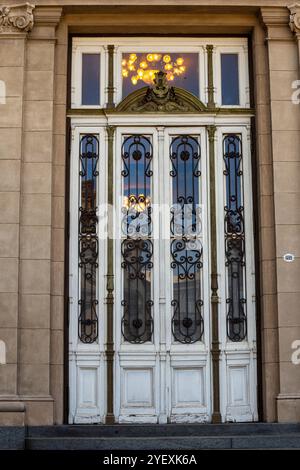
(47, 16)
(275, 16)
(16, 18)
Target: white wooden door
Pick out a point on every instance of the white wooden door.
(162, 291)
(162, 303)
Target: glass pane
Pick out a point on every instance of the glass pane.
(182, 70)
(88, 238)
(230, 79)
(137, 247)
(234, 239)
(186, 248)
(90, 79)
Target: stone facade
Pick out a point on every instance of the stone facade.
(33, 165)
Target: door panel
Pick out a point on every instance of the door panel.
(237, 322)
(153, 370)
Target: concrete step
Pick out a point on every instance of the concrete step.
(287, 441)
(152, 437)
(164, 437)
(163, 430)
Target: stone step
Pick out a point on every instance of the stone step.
(152, 437)
(168, 443)
(161, 430)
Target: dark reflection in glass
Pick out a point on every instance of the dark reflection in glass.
(186, 248)
(234, 238)
(137, 247)
(230, 79)
(90, 79)
(182, 70)
(88, 239)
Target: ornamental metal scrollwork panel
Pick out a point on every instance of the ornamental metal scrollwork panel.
(137, 246)
(186, 246)
(234, 239)
(88, 238)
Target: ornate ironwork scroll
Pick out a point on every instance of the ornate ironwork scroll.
(186, 246)
(88, 238)
(234, 238)
(137, 246)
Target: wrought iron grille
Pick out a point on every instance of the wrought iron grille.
(137, 246)
(186, 246)
(234, 239)
(88, 238)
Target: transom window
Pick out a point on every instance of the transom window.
(121, 66)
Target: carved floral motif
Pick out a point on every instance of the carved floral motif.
(16, 18)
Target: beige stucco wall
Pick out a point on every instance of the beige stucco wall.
(32, 188)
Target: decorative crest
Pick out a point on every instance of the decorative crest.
(161, 98)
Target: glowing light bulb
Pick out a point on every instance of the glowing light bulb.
(166, 58)
(143, 64)
(146, 77)
(133, 57)
(179, 61)
(168, 67)
(134, 80)
(150, 57)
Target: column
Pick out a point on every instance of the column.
(285, 125)
(39, 180)
(263, 189)
(15, 23)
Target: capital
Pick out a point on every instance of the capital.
(295, 17)
(16, 18)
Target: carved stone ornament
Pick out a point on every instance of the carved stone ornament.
(16, 18)
(295, 17)
(161, 98)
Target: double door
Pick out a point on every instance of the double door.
(162, 245)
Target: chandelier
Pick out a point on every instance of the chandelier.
(146, 69)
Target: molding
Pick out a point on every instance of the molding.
(275, 16)
(12, 407)
(295, 18)
(215, 340)
(288, 396)
(16, 18)
(47, 16)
